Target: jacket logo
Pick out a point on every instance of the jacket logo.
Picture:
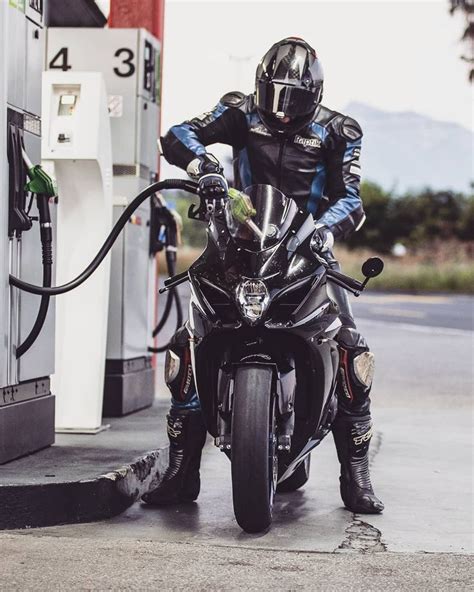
(261, 130)
(313, 142)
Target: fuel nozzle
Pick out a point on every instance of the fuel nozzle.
(242, 210)
(39, 182)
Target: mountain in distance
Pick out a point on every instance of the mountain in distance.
(409, 151)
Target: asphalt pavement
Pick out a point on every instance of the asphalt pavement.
(422, 310)
(421, 468)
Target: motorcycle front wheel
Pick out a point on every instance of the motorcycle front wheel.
(253, 447)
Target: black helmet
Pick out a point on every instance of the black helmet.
(288, 86)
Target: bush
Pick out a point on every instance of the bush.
(413, 219)
(377, 233)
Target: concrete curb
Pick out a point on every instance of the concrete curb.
(49, 504)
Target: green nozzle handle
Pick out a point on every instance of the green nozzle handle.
(241, 205)
(39, 181)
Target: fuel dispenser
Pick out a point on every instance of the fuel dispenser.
(26, 360)
(129, 62)
(77, 141)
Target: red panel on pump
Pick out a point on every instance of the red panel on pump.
(148, 14)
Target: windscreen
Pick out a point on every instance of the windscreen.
(274, 214)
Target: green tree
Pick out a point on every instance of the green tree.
(377, 233)
(467, 7)
(465, 229)
(427, 216)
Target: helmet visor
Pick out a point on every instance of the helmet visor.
(293, 101)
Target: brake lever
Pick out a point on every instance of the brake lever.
(344, 281)
(354, 285)
(197, 212)
(174, 281)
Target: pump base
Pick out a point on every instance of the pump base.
(129, 386)
(86, 431)
(26, 419)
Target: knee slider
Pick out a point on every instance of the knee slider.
(363, 366)
(172, 366)
(360, 359)
(178, 369)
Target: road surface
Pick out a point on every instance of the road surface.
(421, 468)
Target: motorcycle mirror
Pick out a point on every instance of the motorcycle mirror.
(372, 267)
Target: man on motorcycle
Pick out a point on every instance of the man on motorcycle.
(282, 136)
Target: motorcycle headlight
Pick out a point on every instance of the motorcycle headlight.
(253, 299)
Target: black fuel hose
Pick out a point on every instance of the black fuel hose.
(46, 234)
(171, 269)
(172, 295)
(109, 241)
(41, 316)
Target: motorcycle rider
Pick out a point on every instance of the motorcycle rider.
(282, 136)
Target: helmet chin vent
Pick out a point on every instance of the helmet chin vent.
(277, 127)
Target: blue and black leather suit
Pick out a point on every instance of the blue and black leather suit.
(319, 168)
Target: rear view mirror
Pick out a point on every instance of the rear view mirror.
(372, 267)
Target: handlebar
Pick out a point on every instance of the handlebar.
(174, 281)
(345, 281)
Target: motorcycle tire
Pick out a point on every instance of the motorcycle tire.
(297, 479)
(253, 447)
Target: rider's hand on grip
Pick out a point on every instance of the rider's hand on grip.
(213, 187)
(322, 239)
(207, 171)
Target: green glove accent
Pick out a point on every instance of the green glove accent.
(40, 182)
(241, 206)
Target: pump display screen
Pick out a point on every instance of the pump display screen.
(67, 104)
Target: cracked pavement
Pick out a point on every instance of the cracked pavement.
(421, 468)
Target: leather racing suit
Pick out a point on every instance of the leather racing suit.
(319, 168)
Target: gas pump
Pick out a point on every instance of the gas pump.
(129, 62)
(26, 354)
(77, 142)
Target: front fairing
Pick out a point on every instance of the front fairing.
(287, 272)
(301, 321)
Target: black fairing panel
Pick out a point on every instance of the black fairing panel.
(221, 338)
(315, 364)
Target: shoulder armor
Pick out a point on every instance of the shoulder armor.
(233, 99)
(342, 125)
(350, 129)
(323, 115)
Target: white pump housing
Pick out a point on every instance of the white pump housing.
(77, 142)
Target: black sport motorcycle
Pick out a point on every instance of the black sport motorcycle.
(262, 328)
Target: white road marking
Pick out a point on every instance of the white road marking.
(398, 312)
(414, 298)
(420, 328)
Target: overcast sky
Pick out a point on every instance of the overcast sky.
(396, 55)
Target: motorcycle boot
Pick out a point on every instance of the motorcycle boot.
(352, 428)
(181, 481)
(352, 440)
